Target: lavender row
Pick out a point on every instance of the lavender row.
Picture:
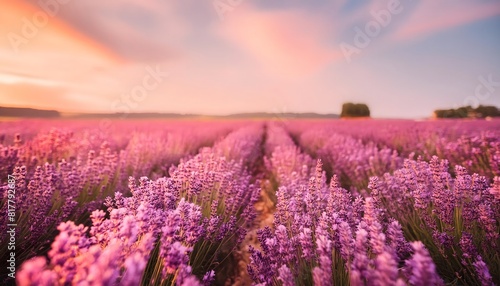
(451, 211)
(182, 229)
(324, 236)
(53, 193)
(141, 146)
(353, 161)
(285, 162)
(457, 217)
(473, 144)
(424, 222)
(60, 182)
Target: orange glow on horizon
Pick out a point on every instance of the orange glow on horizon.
(21, 9)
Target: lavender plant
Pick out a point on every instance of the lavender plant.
(181, 229)
(455, 217)
(151, 203)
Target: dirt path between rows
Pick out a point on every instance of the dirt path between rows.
(265, 208)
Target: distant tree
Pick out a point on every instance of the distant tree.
(468, 111)
(463, 112)
(485, 111)
(355, 110)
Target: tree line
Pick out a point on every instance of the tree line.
(481, 111)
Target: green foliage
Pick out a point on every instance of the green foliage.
(355, 110)
(468, 111)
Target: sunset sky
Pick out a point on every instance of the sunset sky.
(229, 56)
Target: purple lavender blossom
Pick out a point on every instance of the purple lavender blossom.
(360, 270)
(386, 269)
(33, 272)
(285, 276)
(322, 275)
(305, 240)
(397, 241)
(483, 272)
(175, 256)
(421, 270)
(208, 278)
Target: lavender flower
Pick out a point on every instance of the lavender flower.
(174, 257)
(135, 265)
(305, 239)
(386, 269)
(345, 240)
(322, 275)
(420, 268)
(34, 272)
(495, 189)
(208, 278)
(397, 241)
(483, 272)
(467, 245)
(360, 270)
(285, 276)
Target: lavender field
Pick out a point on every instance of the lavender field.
(250, 202)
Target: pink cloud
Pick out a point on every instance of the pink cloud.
(435, 16)
(284, 42)
(135, 30)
